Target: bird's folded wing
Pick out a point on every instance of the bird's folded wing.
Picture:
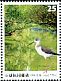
(48, 51)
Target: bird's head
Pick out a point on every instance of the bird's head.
(37, 41)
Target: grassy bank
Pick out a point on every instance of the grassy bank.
(19, 55)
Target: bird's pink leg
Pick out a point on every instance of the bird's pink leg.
(47, 66)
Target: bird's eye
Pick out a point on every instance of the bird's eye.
(36, 39)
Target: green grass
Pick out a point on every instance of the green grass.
(19, 55)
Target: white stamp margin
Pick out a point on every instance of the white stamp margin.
(4, 73)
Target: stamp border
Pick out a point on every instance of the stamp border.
(30, 0)
(60, 37)
(1, 40)
(1, 43)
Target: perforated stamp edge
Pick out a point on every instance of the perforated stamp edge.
(2, 42)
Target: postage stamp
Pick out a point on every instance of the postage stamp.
(30, 41)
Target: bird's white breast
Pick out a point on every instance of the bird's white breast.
(40, 52)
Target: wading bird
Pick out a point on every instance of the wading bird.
(43, 51)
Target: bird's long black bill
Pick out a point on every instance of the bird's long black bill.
(30, 43)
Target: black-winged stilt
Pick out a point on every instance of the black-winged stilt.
(43, 51)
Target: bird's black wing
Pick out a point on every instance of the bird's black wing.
(48, 51)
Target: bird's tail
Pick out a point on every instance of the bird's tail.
(55, 53)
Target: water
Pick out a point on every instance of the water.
(41, 30)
